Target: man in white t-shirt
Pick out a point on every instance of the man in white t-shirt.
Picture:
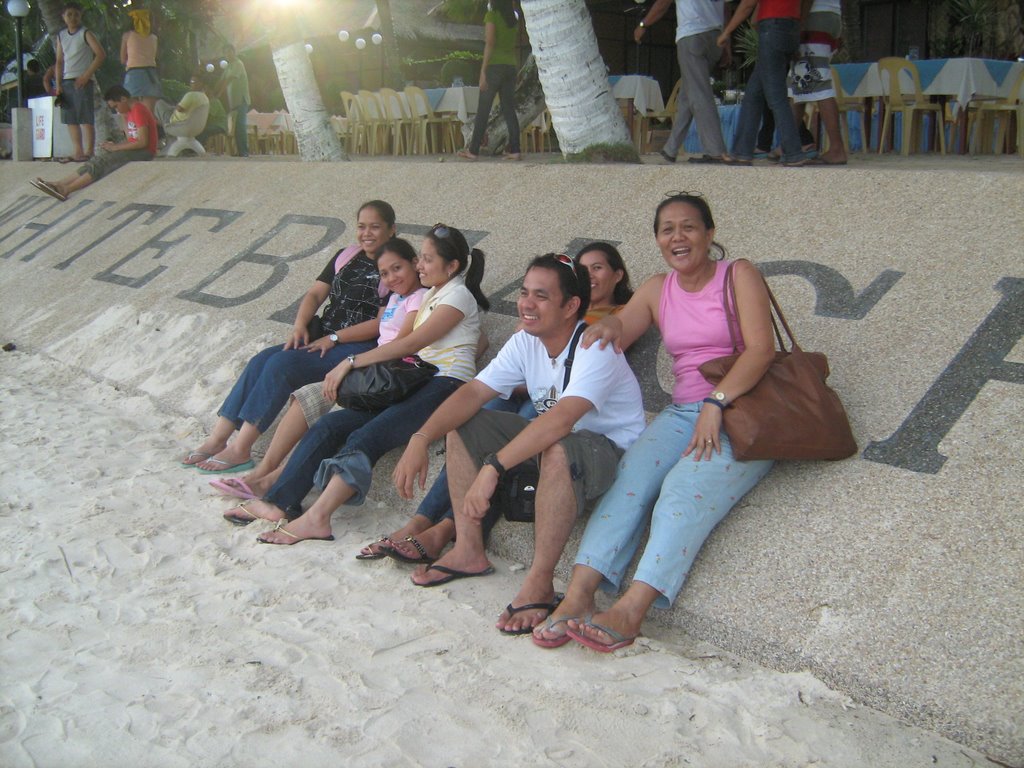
(698, 24)
(582, 429)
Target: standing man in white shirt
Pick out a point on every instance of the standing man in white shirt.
(698, 24)
(590, 411)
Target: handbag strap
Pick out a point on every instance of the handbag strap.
(732, 314)
(572, 354)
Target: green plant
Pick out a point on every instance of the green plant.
(606, 153)
(972, 19)
(745, 45)
(173, 90)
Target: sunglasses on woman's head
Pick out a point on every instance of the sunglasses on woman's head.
(441, 230)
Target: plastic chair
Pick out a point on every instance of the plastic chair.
(436, 132)
(399, 120)
(224, 143)
(848, 104)
(912, 106)
(536, 137)
(989, 121)
(643, 121)
(375, 118)
(354, 129)
(185, 133)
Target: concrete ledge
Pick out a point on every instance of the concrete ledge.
(895, 576)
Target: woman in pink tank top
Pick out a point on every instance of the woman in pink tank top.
(680, 475)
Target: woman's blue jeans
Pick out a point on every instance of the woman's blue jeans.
(777, 41)
(270, 376)
(683, 499)
(349, 443)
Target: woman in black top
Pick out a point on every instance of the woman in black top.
(349, 326)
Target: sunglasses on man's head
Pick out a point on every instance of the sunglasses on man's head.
(566, 261)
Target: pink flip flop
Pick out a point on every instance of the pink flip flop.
(234, 486)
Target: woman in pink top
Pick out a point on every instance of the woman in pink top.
(680, 475)
(138, 57)
(397, 266)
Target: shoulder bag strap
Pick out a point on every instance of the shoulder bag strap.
(345, 256)
(733, 317)
(572, 354)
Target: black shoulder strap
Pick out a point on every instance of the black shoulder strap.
(572, 354)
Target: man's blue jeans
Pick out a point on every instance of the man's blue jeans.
(241, 113)
(777, 41)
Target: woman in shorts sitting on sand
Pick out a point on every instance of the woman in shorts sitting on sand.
(446, 334)
(349, 325)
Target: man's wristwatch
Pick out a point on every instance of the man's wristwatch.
(491, 460)
(642, 25)
(333, 337)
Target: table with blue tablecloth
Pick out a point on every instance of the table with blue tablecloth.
(961, 81)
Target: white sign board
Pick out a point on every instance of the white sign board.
(42, 126)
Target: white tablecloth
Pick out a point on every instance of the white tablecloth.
(963, 79)
(644, 91)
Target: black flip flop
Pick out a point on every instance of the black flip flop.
(454, 574)
(512, 611)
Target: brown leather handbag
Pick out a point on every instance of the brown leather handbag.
(791, 413)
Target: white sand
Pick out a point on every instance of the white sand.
(139, 628)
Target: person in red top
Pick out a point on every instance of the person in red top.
(778, 38)
(141, 131)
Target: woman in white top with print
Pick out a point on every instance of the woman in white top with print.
(339, 452)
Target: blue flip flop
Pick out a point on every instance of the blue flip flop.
(227, 467)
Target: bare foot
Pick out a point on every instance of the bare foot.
(433, 539)
(465, 154)
(833, 158)
(205, 451)
(254, 509)
(614, 619)
(301, 529)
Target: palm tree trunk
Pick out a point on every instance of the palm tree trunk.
(393, 63)
(573, 74)
(317, 140)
